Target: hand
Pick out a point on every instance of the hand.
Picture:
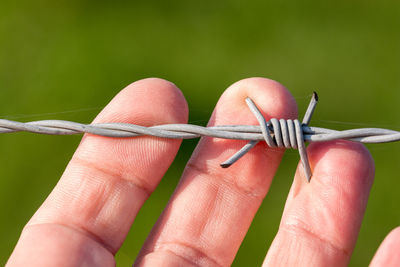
(86, 218)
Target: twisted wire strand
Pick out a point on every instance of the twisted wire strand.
(275, 132)
(188, 131)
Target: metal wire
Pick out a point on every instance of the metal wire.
(276, 133)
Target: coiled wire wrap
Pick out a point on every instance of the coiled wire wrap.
(279, 133)
(276, 133)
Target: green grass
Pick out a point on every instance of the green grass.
(67, 55)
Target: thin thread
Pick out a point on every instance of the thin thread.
(19, 116)
(365, 124)
(276, 133)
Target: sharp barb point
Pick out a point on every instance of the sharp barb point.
(315, 96)
(224, 165)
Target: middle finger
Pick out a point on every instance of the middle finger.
(212, 208)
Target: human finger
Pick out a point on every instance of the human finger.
(87, 216)
(212, 208)
(321, 219)
(388, 252)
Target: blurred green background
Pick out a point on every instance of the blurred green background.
(67, 59)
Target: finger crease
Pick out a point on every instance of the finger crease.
(188, 253)
(295, 228)
(130, 179)
(80, 230)
(228, 180)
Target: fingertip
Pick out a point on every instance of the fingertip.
(392, 239)
(151, 101)
(396, 233)
(387, 254)
(341, 158)
(273, 99)
(166, 94)
(147, 102)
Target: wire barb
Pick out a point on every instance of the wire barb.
(276, 133)
(280, 133)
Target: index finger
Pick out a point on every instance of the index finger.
(212, 208)
(90, 211)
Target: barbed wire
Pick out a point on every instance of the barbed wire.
(275, 132)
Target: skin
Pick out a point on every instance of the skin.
(87, 216)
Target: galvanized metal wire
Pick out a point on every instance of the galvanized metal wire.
(276, 133)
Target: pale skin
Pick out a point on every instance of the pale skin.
(87, 216)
